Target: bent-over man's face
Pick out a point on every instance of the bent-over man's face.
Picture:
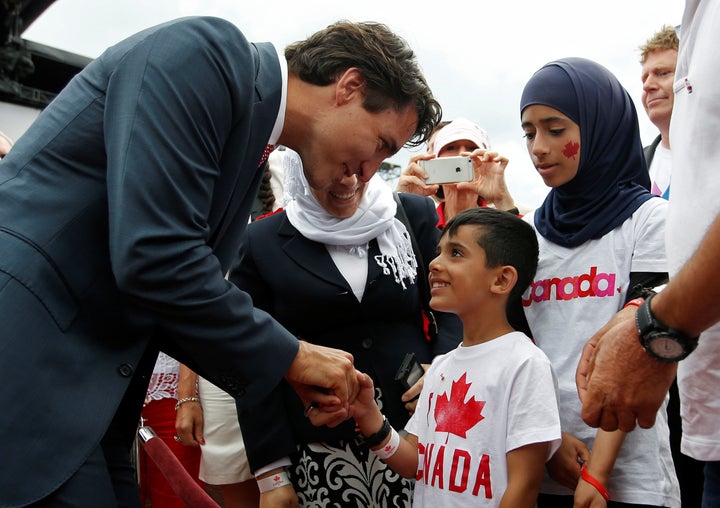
(345, 139)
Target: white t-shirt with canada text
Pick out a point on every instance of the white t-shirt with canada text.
(575, 292)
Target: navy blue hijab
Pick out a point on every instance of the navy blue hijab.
(612, 179)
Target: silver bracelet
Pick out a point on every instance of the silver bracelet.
(273, 482)
(186, 399)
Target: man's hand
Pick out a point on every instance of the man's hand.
(324, 377)
(412, 180)
(618, 383)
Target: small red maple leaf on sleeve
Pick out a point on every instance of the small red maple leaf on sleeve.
(453, 414)
(571, 149)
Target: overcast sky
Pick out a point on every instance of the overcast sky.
(477, 55)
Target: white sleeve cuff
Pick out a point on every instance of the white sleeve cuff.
(283, 462)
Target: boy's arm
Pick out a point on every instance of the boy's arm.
(564, 465)
(525, 470)
(602, 459)
(370, 420)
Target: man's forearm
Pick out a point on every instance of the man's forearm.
(690, 301)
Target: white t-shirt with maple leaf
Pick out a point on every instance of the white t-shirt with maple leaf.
(477, 404)
(574, 293)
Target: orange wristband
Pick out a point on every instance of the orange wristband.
(594, 482)
(637, 302)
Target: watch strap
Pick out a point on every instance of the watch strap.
(649, 328)
(377, 438)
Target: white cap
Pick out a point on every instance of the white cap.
(460, 129)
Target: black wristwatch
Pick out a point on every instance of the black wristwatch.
(659, 340)
(379, 436)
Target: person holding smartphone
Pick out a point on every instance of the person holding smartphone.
(461, 137)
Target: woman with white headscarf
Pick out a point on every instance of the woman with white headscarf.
(337, 267)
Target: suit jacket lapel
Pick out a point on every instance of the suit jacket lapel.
(310, 256)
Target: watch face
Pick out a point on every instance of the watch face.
(666, 347)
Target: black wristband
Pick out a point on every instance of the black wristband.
(379, 436)
(514, 211)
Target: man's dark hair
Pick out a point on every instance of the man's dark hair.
(392, 74)
(506, 240)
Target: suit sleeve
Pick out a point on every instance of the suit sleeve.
(266, 426)
(170, 108)
(423, 217)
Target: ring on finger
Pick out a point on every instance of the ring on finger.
(177, 438)
(309, 408)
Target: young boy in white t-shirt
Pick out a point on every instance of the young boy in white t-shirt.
(487, 417)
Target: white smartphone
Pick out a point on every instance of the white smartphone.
(448, 170)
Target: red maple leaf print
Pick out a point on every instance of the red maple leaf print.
(571, 149)
(453, 414)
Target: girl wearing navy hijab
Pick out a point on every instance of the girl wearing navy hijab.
(600, 232)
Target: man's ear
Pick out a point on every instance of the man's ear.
(349, 86)
(505, 279)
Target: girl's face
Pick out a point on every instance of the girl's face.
(553, 142)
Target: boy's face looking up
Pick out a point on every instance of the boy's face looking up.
(459, 277)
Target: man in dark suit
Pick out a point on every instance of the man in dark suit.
(5, 145)
(121, 209)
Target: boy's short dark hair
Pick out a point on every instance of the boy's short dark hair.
(506, 240)
(393, 76)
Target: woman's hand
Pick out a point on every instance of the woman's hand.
(284, 496)
(410, 397)
(489, 182)
(189, 424)
(412, 180)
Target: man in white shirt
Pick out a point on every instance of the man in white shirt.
(622, 384)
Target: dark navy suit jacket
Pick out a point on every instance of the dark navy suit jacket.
(296, 281)
(120, 211)
(649, 150)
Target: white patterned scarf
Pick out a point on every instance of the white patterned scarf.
(373, 219)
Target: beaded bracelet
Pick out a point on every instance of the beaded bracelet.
(594, 482)
(186, 399)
